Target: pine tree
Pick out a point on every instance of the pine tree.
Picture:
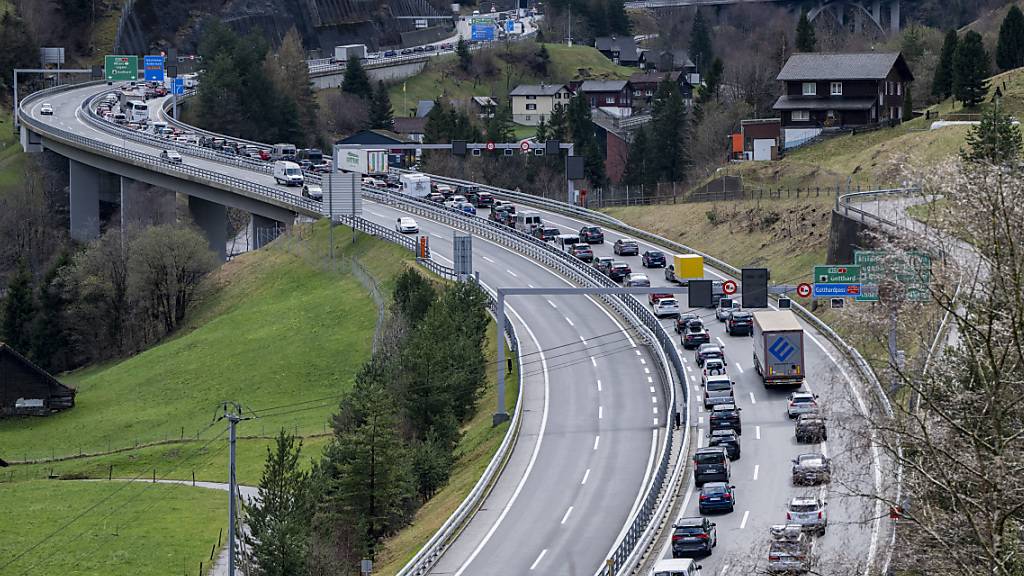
(50, 337)
(381, 114)
(465, 58)
(636, 162)
(970, 70)
(278, 535)
(712, 82)
(19, 311)
(543, 61)
(499, 127)
(413, 295)
(290, 73)
(942, 82)
(805, 39)
(356, 80)
(701, 51)
(995, 140)
(670, 134)
(558, 125)
(437, 129)
(1010, 48)
(542, 130)
(618, 20)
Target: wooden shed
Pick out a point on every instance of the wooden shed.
(28, 390)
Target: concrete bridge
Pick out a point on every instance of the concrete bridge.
(870, 11)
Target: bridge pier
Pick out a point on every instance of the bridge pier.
(84, 195)
(146, 205)
(212, 219)
(264, 230)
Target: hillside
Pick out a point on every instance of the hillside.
(496, 71)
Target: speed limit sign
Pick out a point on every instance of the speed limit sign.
(490, 146)
(729, 287)
(524, 146)
(803, 290)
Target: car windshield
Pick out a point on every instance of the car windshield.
(719, 384)
(814, 461)
(715, 489)
(741, 315)
(293, 171)
(709, 457)
(667, 302)
(803, 507)
(803, 399)
(689, 530)
(654, 254)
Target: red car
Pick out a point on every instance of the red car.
(652, 298)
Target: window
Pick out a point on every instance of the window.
(810, 89)
(899, 88)
(801, 115)
(558, 95)
(531, 106)
(609, 100)
(531, 97)
(527, 118)
(836, 89)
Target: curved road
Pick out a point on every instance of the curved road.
(590, 427)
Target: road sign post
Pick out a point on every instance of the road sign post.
(121, 68)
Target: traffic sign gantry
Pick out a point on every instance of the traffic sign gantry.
(729, 287)
(121, 68)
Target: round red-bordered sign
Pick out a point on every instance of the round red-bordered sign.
(524, 146)
(490, 146)
(803, 290)
(729, 287)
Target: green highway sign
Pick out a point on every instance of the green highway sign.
(121, 68)
(914, 273)
(840, 274)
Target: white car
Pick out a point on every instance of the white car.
(370, 181)
(171, 156)
(455, 201)
(801, 403)
(313, 191)
(407, 225)
(809, 512)
(637, 280)
(666, 307)
(46, 109)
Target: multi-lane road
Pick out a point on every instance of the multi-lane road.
(592, 413)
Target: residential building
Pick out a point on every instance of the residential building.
(828, 91)
(423, 107)
(675, 60)
(531, 102)
(645, 85)
(758, 139)
(484, 106)
(613, 137)
(622, 50)
(614, 97)
(27, 389)
(410, 128)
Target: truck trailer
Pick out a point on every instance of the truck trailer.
(343, 53)
(363, 161)
(778, 348)
(685, 267)
(416, 185)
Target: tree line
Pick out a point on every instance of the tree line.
(393, 444)
(115, 297)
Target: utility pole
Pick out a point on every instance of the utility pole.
(232, 412)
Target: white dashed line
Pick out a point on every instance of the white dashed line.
(598, 385)
(537, 561)
(757, 432)
(584, 340)
(642, 361)
(743, 523)
(652, 389)
(647, 370)
(514, 275)
(553, 305)
(377, 214)
(655, 409)
(689, 368)
(757, 468)
(592, 361)
(696, 388)
(585, 476)
(740, 368)
(654, 399)
(492, 262)
(600, 412)
(700, 419)
(655, 420)
(720, 341)
(569, 321)
(752, 399)
(597, 440)
(567, 513)
(531, 285)
(725, 570)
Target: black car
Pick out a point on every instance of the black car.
(583, 252)
(626, 247)
(728, 440)
(740, 323)
(725, 417)
(653, 259)
(430, 48)
(695, 334)
(390, 54)
(717, 497)
(693, 536)
(591, 235)
(547, 234)
(406, 51)
(418, 49)
(603, 264)
(710, 464)
(618, 271)
(684, 319)
(706, 351)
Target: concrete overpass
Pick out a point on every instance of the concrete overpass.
(870, 11)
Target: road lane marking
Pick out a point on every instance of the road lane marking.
(757, 468)
(537, 561)
(531, 285)
(647, 370)
(652, 389)
(650, 380)
(377, 214)
(585, 476)
(689, 369)
(600, 412)
(757, 432)
(597, 440)
(637, 352)
(437, 236)
(740, 368)
(598, 385)
(655, 409)
(492, 262)
(584, 340)
(592, 361)
(567, 513)
(700, 419)
(553, 305)
(743, 523)
(656, 421)
(752, 399)
(720, 341)
(436, 255)
(642, 361)
(514, 275)
(725, 570)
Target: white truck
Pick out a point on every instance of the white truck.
(778, 348)
(288, 173)
(414, 184)
(343, 53)
(365, 162)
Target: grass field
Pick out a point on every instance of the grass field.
(278, 329)
(442, 77)
(142, 529)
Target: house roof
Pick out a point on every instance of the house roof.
(603, 85)
(484, 101)
(409, 125)
(45, 376)
(423, 107)
(373, 137)
(624, 45)
(536, 89)
(797, 103)
(653, 77)
(850, 66)
(680, 58)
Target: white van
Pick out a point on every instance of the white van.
(676, 567)
(156, 127)
(527, 222)
(282, 150)
(288, 173)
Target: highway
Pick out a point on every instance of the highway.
(590, 426)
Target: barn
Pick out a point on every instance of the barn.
(28, 390)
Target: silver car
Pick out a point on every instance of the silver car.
(637, 280)
(801, 403)
(790, 550)
(809, 512)
(811, 469)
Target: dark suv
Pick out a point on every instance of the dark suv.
(810, 429)
(626, 247)
(710, 464)
(619, 270)
(695, 334)
(740, 322)
(693, 536)
(591, 235)
(583, 252)
(725, 417)
(547, 234)
(728, 440)
(653, 259)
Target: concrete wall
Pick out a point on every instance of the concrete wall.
(847, 234)
(387, 74)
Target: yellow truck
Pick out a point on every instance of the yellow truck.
(685, 267)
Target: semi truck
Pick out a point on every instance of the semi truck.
(365, 162)
(343, 53)
(778, 348)
(685, 267)
(417, 185)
